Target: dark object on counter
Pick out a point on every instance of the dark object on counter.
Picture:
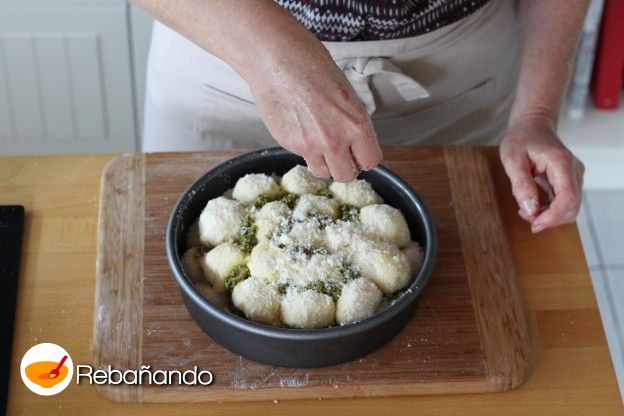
(296, 347)
(11, 229)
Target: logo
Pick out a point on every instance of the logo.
(46, 369)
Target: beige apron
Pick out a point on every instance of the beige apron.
(452, 85)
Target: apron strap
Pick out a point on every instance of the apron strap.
(359, 71)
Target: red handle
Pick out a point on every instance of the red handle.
(58, 367)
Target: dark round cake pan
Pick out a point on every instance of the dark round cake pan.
(296, 347)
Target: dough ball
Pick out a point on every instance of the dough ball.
(359, 300)
(300, 181)
(252, 185)
(414, 255)
(220, 221)
(262, 261)
(385, 223)
(300, 268)
(219, 262)
(307, 309)
(340, 235)
(358, 193)
(219, 299)
(191, 264)
(258, 300)
(301, 233)
(383, 264)
(192, 236)
(315, 204)
(269, 217)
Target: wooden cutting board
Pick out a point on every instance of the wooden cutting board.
(468, 333)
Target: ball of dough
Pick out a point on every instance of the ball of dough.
(340, 235)
(191, 264)
(414, 255)
(192, 236)
(307, 309)
(219, 262)
(269, 217)
(385, 223)
(262, 261)
(359, 300)
(300, 181)
(301, 233)
(219, 299)
(315, 204)
(252, 185)
(258, 300)
(383, 264)
(300, 268)
(220, 221)
(358, 193)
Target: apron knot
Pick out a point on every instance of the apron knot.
(359, 70)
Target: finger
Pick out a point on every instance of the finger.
(542, 182)
(563, 209)
(366, 150)
(317, 166)
(341, 165)
(524, 216)
(523, 185)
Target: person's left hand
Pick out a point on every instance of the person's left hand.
(533, 155)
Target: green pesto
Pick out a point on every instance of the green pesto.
(282, 229)
(289, 199)
(348, 212)
(310, 250)
(348, 272)
(326, 288)
(260, 200)
(282, 287)
(322, 219)
(325, 192)
(237, 275)
(247, 234)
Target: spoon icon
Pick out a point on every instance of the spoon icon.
(54, 373)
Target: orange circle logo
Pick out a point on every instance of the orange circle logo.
(46, 369)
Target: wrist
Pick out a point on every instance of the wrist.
(530, 116)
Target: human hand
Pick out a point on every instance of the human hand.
(311, 109)
(533, 155)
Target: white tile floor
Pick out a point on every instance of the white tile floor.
(601, 226)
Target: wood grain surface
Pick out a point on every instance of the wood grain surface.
(571, 371)
(468, 334)
(118, 313)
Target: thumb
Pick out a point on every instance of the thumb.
(523, 185)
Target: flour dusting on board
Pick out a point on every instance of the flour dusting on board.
(297, 377)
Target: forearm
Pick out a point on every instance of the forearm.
(304, 99)
(243, 33)
(549, 34)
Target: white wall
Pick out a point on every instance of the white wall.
(66, 76)
(141, 34)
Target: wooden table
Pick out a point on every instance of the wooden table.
(571, 372)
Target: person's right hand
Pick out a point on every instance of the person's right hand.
(304, 99)
(311, 109)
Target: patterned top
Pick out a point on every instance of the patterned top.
(349, 20)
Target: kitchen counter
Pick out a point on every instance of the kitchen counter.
(571, 371)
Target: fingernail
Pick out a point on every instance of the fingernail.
(536, 228)
(529, 206)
